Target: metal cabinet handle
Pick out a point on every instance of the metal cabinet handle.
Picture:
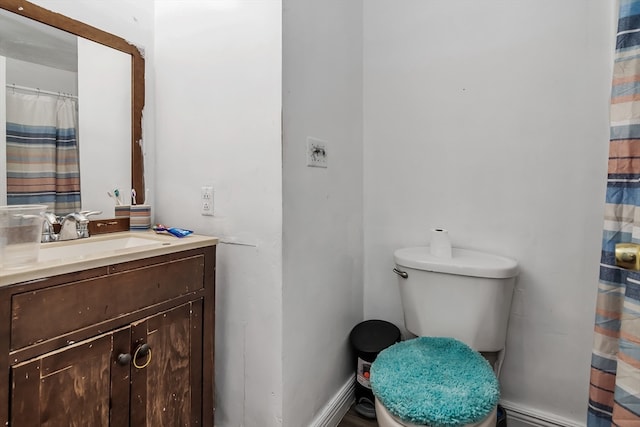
(401, 273)
(143, 350)
(124, 359)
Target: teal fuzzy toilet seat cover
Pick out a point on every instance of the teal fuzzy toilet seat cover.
(435, 381)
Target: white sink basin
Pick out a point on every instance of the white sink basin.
(84, 248)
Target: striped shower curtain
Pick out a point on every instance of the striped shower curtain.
(42, 152)
(614, 393)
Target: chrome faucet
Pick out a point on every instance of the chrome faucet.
(72, 226)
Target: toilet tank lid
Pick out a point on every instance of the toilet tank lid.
(464, 262)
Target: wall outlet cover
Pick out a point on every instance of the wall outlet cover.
(206, 201)
(317, 155)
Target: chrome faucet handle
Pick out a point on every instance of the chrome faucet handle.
(48, 233)
(50, 218)
(83, 226)
(70, 226)
(89, 213)
(73, 216)
(75, 225)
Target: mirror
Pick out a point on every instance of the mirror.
(113, 47)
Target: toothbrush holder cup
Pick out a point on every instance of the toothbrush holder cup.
(123, 211)
(140, 217)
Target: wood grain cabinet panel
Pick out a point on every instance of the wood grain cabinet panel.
(60, 309)
(154, 367)
(166, 392)
(70, 387)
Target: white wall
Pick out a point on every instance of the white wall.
(322, 245)
(490, 119)
(218, 67)
(130, 19)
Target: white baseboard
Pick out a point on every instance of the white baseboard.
(523, 416)
(517, 415)
(337, 407)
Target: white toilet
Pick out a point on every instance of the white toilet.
(465, 298)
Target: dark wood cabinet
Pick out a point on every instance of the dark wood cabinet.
(168, 392)
(70, 387)
(128, 344)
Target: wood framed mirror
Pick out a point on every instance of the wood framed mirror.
(80, 29)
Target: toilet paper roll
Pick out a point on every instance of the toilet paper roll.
(440, 243)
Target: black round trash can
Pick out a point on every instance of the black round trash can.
(369, 338)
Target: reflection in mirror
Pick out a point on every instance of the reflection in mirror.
(105, 75)
(42, 157)
(40, 72)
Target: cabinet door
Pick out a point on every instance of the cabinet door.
(166, 382)
(72, 386)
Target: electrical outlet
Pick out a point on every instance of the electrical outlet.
(316, 153)
(206, 201)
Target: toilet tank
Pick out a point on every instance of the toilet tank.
(467, 296)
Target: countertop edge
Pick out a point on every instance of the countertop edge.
(41, 270)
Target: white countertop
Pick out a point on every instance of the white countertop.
(98, 251)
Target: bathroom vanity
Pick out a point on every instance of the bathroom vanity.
(117, 333)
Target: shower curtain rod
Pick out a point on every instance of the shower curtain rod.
(36, 90)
